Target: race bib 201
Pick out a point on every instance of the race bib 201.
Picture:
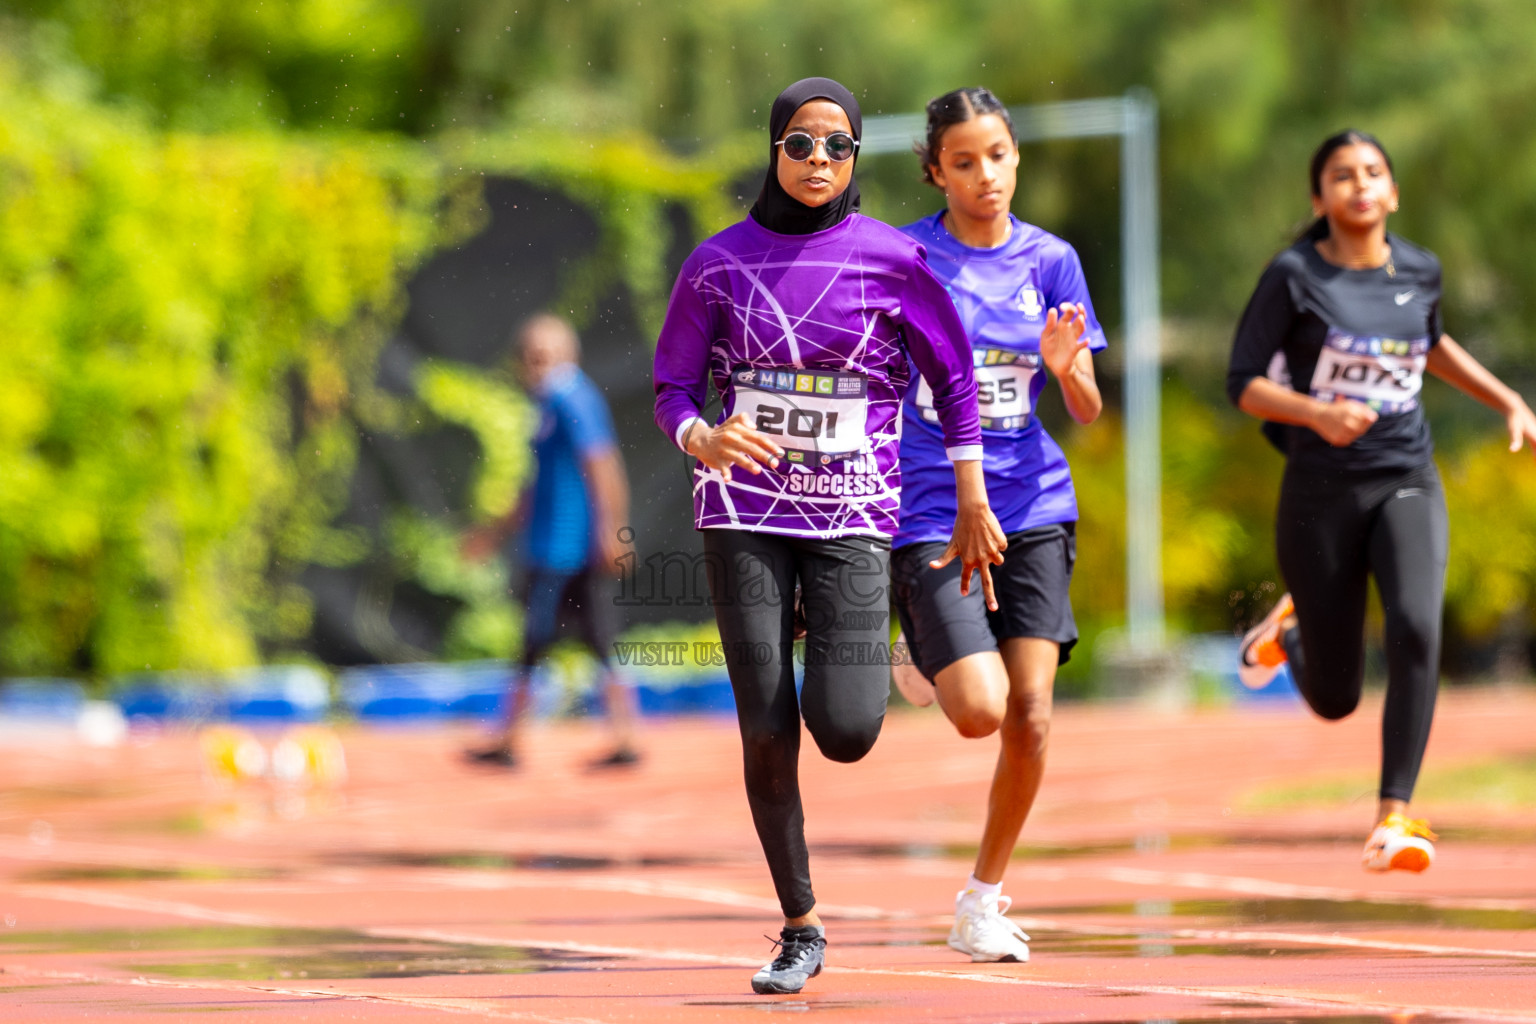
(816, 416)
(1385, 373)
(1003, 380)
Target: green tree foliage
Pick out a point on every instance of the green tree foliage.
(1491, 578)
(200, 249)
(191, 324)
(1246, 90)
(195, 319)
(207, 65)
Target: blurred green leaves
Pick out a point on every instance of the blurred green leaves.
(193, 320)
(189, 322)
(207, 211)
(501, 418)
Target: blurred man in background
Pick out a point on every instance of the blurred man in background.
(572, 517)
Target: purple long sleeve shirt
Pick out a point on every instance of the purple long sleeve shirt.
(809, 336)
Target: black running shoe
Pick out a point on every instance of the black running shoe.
(624, 757)
(491, 757)
(802, 952)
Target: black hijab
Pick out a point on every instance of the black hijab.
(776, 209)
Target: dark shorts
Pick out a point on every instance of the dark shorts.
(558, 603)
(1032, 597)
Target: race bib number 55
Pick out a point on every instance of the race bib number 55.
(1385, 373)
(1003, 380)
(816, 416)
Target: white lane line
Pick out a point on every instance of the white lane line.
(663, 888)
(1248, 886)
(687, 956)
(1228, 883)
(1147, 927)
(464, 1007)
(1238, 884)
(716, 896)
(727, 897)
(111, 853)
(594, 949)
(75, 851)
(142, 904)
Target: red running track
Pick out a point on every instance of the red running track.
(424, 890)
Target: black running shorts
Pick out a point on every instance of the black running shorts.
(557, 602)
(1032, 596)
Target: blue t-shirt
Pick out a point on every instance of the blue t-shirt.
(573, 424)
(1003, 295)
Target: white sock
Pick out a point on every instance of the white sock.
(980, 888)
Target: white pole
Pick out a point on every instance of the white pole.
(1143, 374)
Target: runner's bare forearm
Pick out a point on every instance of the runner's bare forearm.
(609, 487)
(1080, 389)
(1457, 367)
(1267, 400)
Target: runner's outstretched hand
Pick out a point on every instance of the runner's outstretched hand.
(978, 539)
(733, 443)
(612, 547)
(1342, 421)
(1062, 338)
(1522, 426)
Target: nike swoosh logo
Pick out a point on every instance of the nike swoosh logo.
(1401, 298)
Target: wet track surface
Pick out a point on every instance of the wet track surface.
(131, 889)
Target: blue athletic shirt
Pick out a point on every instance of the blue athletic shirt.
(1003, 295)
(573, 424)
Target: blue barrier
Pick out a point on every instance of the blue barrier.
(54, 700)
(274, 693)
(298, 693)
(171, 696)
(1214, 655)
(483, 691)
(710, 696)
(425, 691)
(1280, 688)
(278, 693)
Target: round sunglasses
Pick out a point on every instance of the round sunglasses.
(799, 146)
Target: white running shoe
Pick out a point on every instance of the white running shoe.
(1261, 654)
(983, 933)
(909, 678)
(1400, 843)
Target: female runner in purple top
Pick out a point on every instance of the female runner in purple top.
(806, 317)
(1021, 295)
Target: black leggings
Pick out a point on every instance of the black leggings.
(844, 587)
(1333, 530)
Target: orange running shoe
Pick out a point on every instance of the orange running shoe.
(1400, 843)
(1261, 654)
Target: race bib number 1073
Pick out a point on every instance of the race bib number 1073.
(1385, 373)
(816, 416)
